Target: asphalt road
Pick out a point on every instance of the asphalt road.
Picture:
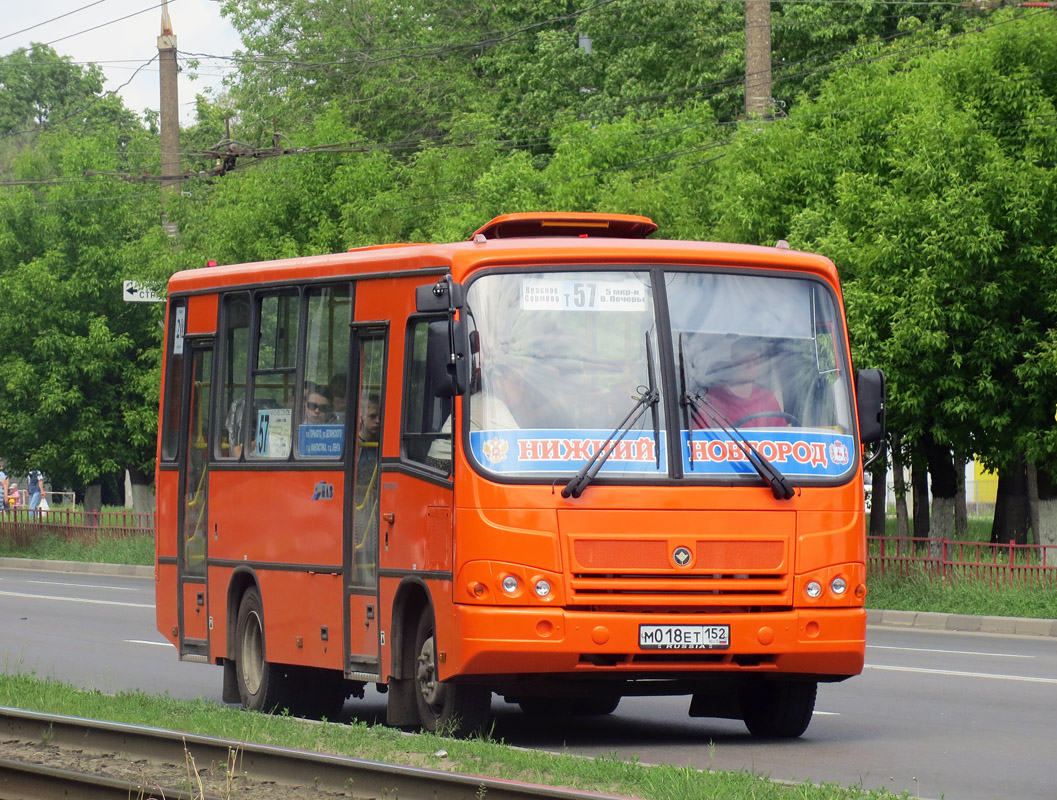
(967, 716)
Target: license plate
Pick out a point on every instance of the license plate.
(684, 637)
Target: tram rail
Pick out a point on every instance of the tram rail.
(260, 764)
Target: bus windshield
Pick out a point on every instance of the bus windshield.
(560, 360)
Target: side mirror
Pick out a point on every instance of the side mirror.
(870, 398)
(448, 369)
(444, 295)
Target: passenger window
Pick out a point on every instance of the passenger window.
(273, 376)
(427, 434)
(321, 430)
(235, 348)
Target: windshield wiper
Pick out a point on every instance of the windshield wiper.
(648, 399)
(688, 402)
(780, 485)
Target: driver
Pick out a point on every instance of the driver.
(737, 396)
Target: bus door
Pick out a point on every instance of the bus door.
(193, 511)
(360, 563)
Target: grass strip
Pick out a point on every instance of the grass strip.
(107, 549)
(479, 756)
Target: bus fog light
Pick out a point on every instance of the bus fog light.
(813, 589)
(838, 585)
(543, 588)
(510, 584)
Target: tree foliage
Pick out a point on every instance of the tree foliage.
(911, 144)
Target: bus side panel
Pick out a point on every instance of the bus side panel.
(271, 517)
(272, 522)
(218, 582)
(418, 543)
(302, 617)
(167, 499)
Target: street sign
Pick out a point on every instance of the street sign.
(135, 292)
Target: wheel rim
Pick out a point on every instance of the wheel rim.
(252, 653)
(431, 689)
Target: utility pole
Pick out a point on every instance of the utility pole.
(758, 58)
(170, 109)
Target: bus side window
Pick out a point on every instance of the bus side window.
(321, 428)
(272, 375)
(427, 436)
(234, 354)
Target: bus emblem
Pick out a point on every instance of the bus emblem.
(681, 556)
(324, 491)
(495, 450)
(838, 453)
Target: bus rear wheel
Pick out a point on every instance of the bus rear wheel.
(450, 708)
(778, 710)
(260, 682)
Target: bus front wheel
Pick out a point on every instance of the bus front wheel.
(450, 708)
(778, 710)
(259, 682)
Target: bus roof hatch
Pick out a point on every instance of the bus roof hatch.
(557, 223)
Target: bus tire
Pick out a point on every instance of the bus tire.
(260, 682)
(453, 709)
(778, 710)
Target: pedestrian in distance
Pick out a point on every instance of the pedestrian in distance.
(35, 485)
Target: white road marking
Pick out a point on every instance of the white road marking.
(946, 652)
(958, 674)
(87, 586)
(144, 641)
(76, 600)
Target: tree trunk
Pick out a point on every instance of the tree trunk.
(944, 488)
(919, 483)
(1033, 500)
(93, 503)
(1012, 517)
(878, 498)
(899, 487)
(142, 491)
(1047, 487)
(961, 511)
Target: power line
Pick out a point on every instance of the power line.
(53, 19)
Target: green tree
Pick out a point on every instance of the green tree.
(78, 366)
(930, 182)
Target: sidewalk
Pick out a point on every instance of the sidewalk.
(931, 620)
(923, 620)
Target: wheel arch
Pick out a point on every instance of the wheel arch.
(242, 578)
(411, 599)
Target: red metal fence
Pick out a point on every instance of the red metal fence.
(933, 559)
(21, 525)
(949, 560)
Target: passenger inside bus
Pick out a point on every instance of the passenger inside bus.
(318, 408)
(735, 394)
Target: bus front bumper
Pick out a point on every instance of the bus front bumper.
(826, 642)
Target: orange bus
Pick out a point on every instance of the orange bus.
(561, 462)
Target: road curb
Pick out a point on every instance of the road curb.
(930, 620)
(80, 567)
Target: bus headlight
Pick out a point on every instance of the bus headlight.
(838, 585)
(509, 584)
(813, 589)
(543, 587)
